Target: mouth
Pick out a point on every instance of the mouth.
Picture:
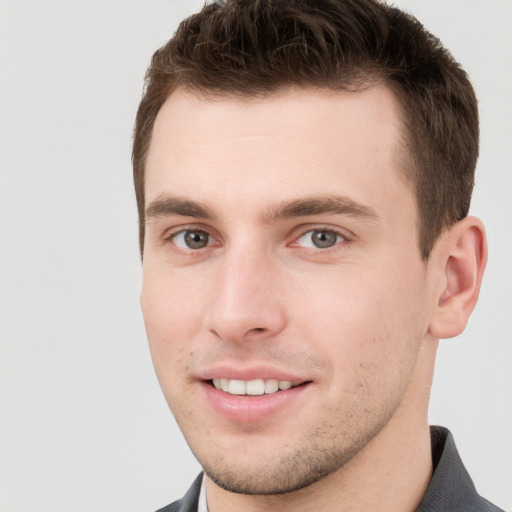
(255, 399)
(255, 387)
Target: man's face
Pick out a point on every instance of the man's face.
(281, 250)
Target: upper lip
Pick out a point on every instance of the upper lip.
(253, 372)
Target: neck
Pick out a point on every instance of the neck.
(391, 473)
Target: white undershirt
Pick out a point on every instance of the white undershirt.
(202, 504)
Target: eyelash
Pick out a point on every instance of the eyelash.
(345, 239)
(170, 236)
(341, 239)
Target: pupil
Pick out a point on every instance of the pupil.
(196, 239)
(323, 239)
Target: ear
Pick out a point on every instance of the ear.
(461, 256)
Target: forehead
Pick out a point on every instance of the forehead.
(296, 142)
(293, 111)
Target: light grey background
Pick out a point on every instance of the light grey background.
(83, 426)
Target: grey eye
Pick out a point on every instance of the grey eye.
(323, 239)
(320, 239)
(192, 239)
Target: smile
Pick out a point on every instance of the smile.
(252, 387)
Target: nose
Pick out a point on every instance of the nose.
(247, 300)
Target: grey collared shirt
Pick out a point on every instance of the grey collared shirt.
(451, 488)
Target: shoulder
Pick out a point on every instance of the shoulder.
(486, 506)
(451, 488)
(189, 502)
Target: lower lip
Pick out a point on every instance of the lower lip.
(246, 408)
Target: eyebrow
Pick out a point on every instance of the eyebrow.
(169, 205)
(334, 205)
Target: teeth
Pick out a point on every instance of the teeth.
(255, 387)
(252, 387)
(271, 386)
(236, 387)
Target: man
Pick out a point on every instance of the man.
(303, 172)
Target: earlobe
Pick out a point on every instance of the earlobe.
(462, 253)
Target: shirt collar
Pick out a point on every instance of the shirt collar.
(451, 487)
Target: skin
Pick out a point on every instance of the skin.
(357, 321)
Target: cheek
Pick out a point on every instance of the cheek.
(170, 301)
(365, 323)
(172, 317)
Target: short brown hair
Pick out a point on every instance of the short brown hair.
(250, 48)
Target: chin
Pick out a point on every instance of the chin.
(286, 474)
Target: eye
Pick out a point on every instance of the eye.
(192, 239)
(320, 239)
